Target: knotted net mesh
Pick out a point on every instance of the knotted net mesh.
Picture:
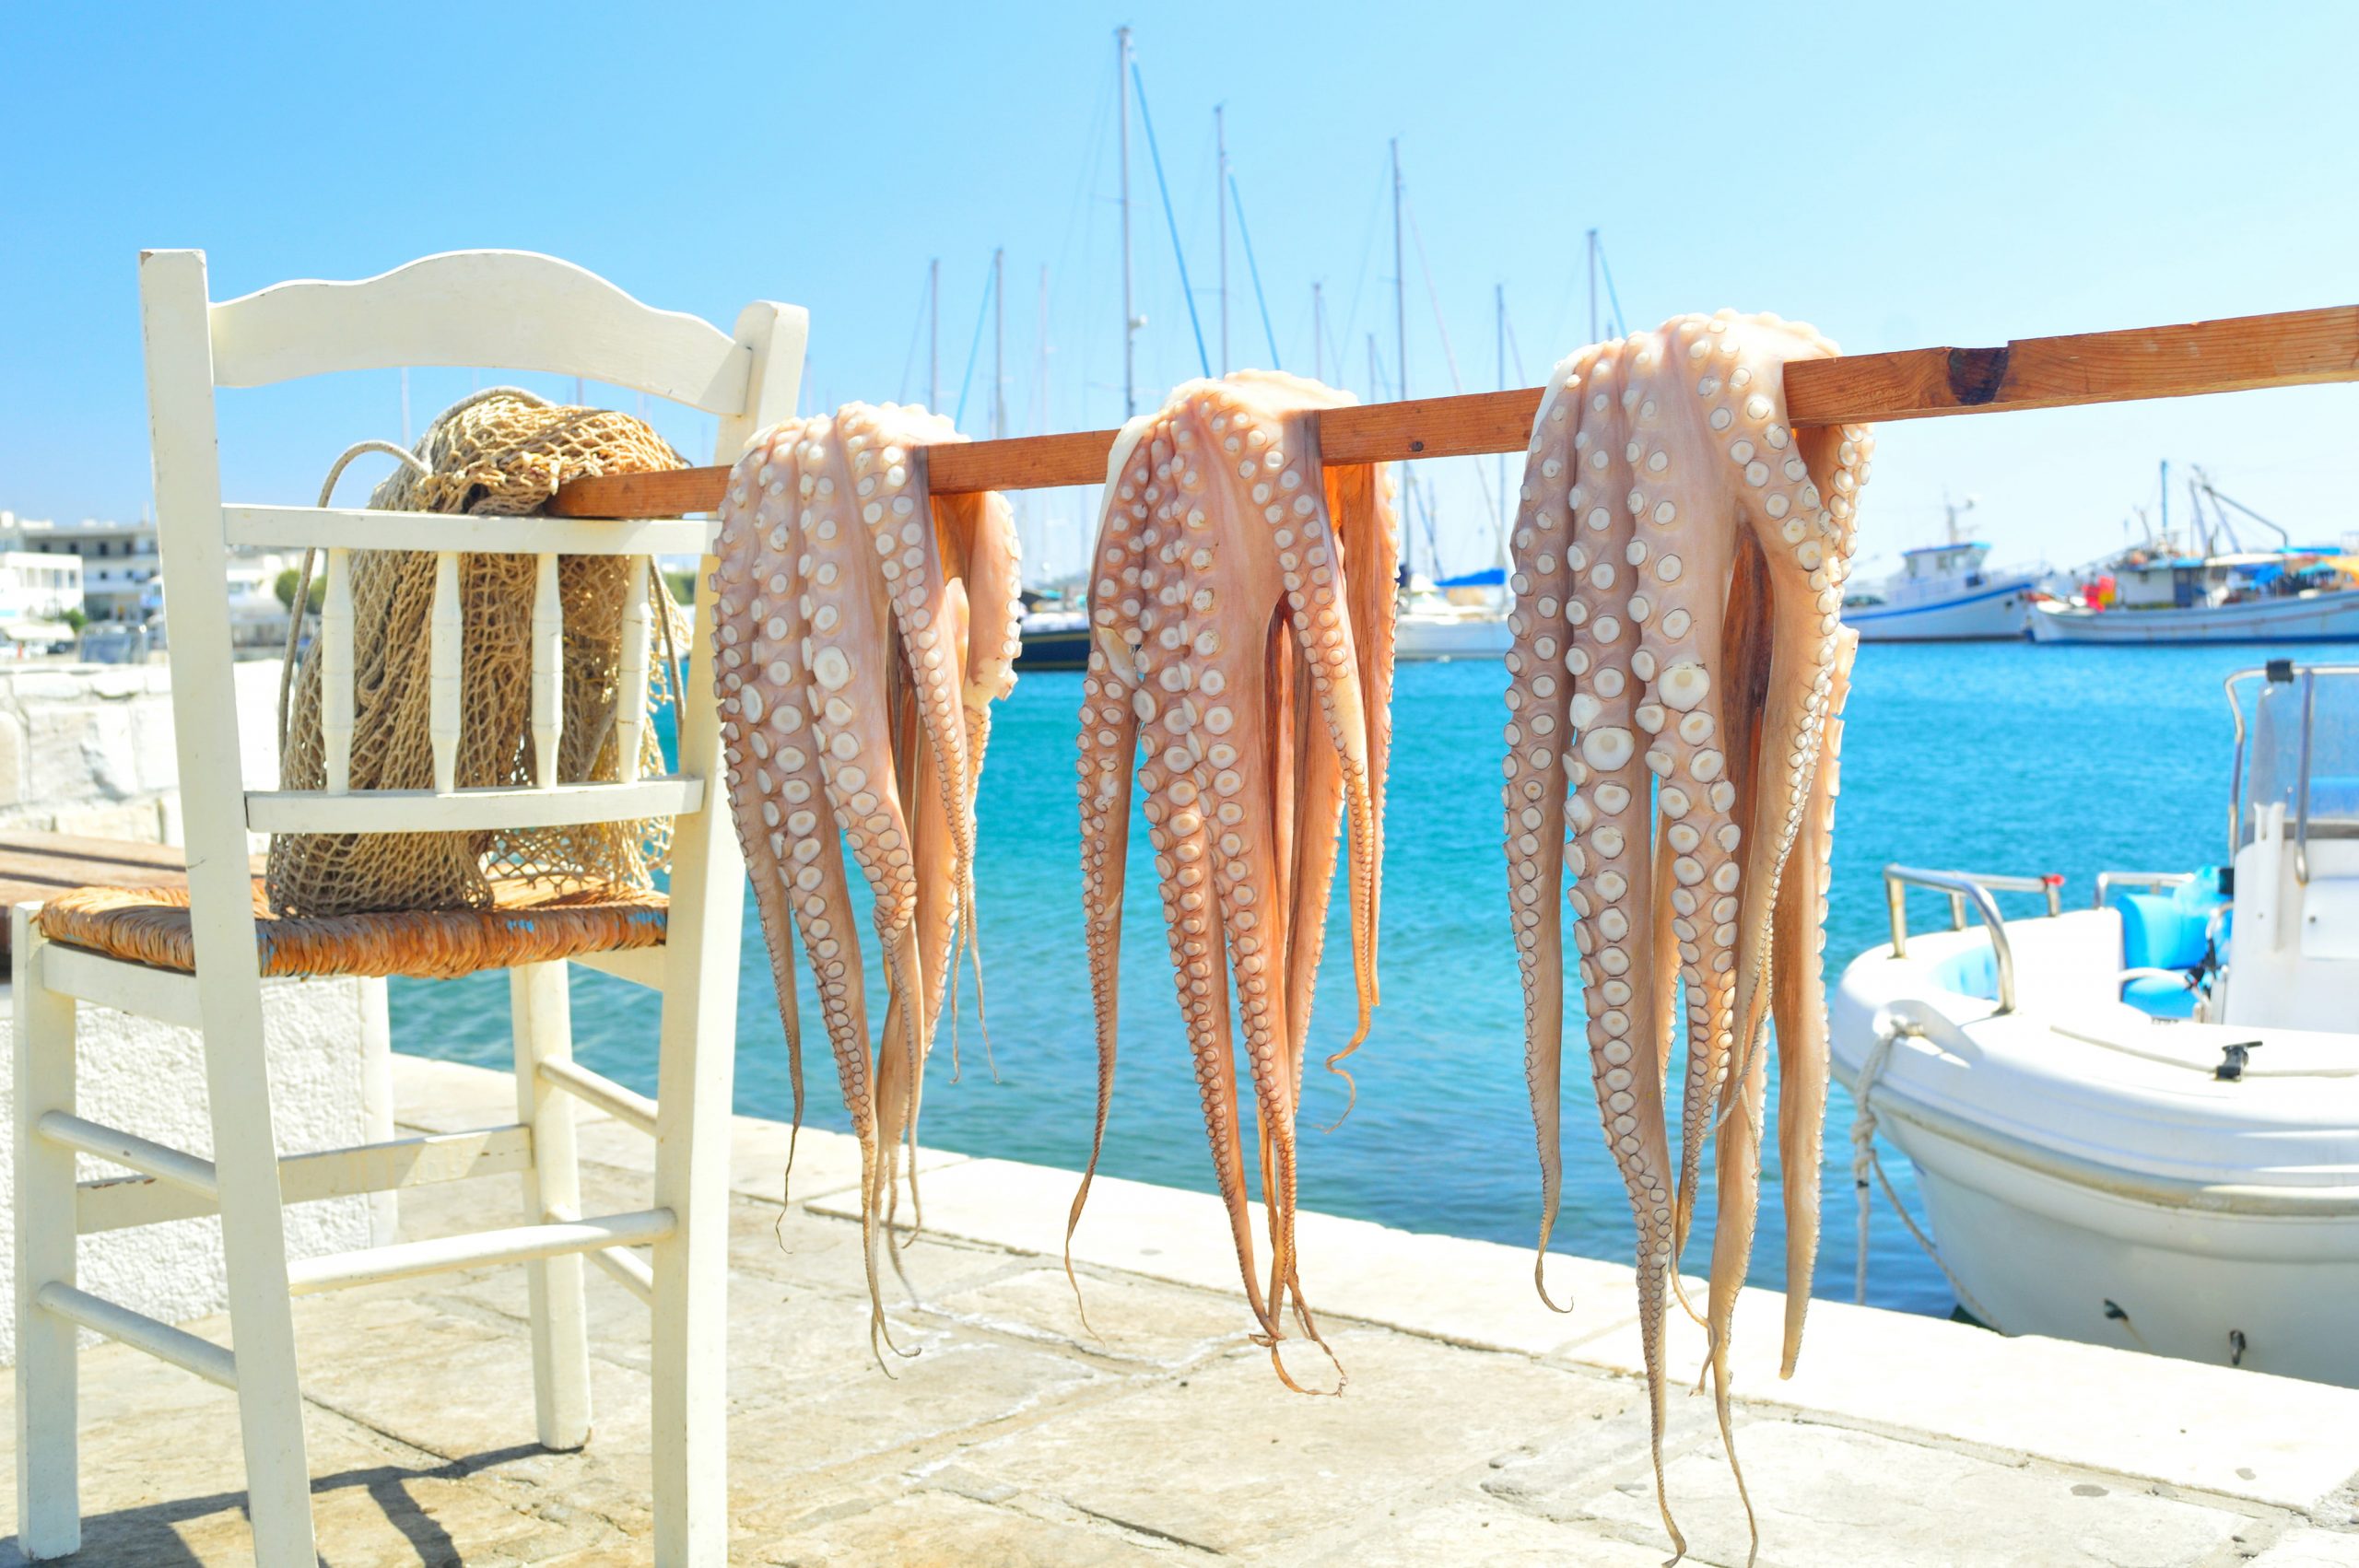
(503, 452)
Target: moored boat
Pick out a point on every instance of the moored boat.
(1944, 593)
(2137, 1124)
(1432, 624)
(1053, 639)
(2330, 614)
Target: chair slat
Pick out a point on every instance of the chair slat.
(457, 810)
(337, 673)
(630, 684)
(548, 674)
(445, 659)
(361, 529)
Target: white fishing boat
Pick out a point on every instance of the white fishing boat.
(2137, 1124)
(2216, 590)
(1946, 593)
(2220, 613)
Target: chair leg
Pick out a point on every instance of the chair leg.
(49, 1512)
(542, 1014)
(254, 1245)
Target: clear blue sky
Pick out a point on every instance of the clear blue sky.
(1899, 175)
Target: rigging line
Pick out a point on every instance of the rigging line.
(1433, 296)
(1621, 326)
(1253, 268)
(1448, 353)
(917, 330)
(1515, 351)
(1367, 249)
(1170, 221)
(975, 347)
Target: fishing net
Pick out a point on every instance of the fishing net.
(501, 452)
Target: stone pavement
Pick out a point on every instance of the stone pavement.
(1478, 1428)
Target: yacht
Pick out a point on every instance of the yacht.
(2136, 1123)
(1434, 622)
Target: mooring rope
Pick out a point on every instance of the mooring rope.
(1865, 1162)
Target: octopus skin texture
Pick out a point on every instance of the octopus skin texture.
(864, 627)
(1680, 552)
(1242, 612)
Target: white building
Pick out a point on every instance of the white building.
(118, 573)
(37, 593)
(119, 562)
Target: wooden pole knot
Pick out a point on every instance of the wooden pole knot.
(1976, 374)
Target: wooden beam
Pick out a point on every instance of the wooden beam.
(2241, 353)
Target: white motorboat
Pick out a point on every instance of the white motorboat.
(2137, 1124)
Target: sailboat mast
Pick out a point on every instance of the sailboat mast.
(1400, 317)
(1592, 285)
(2166, 498)
(933, 337)
(1129, 316)
(1317, 334)
(1499, 310)
(1220, 178)
(999, 341)
(1400, 282)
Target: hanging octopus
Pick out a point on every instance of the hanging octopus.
(1678, 664)
(1242, 615)
(865, 629)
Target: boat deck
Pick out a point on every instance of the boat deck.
(1478, 1426)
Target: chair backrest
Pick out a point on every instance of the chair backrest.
(503, 310)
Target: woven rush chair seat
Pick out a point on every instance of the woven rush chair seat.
(527, 923)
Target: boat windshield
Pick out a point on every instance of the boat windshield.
(2301, 750)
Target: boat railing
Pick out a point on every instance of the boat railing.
(2148, 881)
(1977, 888)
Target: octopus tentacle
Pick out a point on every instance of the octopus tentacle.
(1540, 690)
(1223, 615)
(1798, 1002)
(1109, 731)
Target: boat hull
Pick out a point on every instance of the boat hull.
(1994, 613)
(2083, 1182)
(1470, 637)
(2314, 617)
(1058, 649)
(2045, 1253)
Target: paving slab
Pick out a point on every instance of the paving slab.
(939, 1529)
(1475, 1294)
(2310, 1547)
(2240, 1434)
(1827, 1494)
(1227, 1460)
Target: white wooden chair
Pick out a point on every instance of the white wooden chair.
(490, 309)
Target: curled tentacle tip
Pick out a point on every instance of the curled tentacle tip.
(1540, 1284)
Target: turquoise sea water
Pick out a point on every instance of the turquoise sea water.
(1996, 757)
